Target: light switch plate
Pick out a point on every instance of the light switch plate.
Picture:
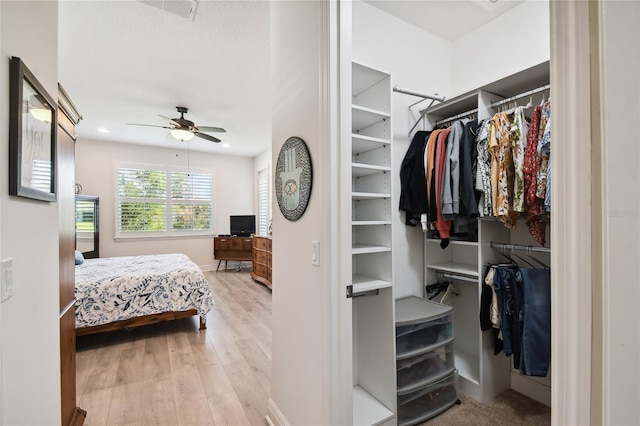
(6, 276)
(315, 253)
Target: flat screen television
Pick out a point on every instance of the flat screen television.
(244, 225)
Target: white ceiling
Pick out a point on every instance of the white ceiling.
(449, 19)
(126, 62)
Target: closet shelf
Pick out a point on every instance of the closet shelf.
(360, 170)
(367, 248)
(362, 143)
(362, 284)
(456, 268)
(367, 410)
(363, 117)
(369, 195)
(370, 222)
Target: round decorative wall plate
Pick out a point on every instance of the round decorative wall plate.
(293, 178)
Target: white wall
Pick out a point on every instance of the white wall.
(408, 53)
(234, 193)
(620, 86)
(29, 234)
(301, 319)
(514, 41)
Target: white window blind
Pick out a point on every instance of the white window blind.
(191, 206)
(263, 202)
(41, 175)
(159, 201)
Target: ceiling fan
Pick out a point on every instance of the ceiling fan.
(183, 129)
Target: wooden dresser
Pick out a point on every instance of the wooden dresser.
(262, 260)
(232, 248)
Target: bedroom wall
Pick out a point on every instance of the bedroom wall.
(234, 193)
(29, 321)
(408, 53)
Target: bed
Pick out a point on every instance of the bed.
(128, 291)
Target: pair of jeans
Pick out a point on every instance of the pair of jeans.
(536, 322)
(508, 288)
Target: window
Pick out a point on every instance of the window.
(161, 201)
(263, 202)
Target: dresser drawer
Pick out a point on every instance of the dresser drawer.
(260, 270)
(418, 370)
(422, 404)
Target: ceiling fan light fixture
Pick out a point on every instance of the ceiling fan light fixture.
(180, 134)
(41, 114)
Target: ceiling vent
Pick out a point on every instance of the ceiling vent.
(184, 8)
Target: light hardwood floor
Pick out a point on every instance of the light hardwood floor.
(173, 374)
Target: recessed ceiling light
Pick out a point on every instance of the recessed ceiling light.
(225, 145)
(103, 130)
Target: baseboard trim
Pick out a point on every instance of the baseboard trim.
(274, 415)
(530, 388)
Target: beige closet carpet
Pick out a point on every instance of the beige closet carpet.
(509, 408)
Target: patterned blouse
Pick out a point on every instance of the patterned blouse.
(535, 220)
(543, 152)
(483, 170)
(519, 130)
(502, 170)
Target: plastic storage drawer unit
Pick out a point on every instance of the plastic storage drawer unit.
(426, 402)
(426, 367)
(420, 324)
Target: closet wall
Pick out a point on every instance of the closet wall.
(515, 40)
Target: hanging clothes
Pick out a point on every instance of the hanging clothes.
(502, 171)
(443, 226)
(451, 177)
(430, 160)
(483, 170)
(413, 195)
(542, 152)
(523, 297)
(546, 147)
(519, 130)
(534, 219)
(468, 156)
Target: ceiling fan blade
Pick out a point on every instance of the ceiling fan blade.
(170, 120)
(148, 125)
(207, 137)
(211, 129)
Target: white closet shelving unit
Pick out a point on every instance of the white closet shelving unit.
(371, 287)
(482, 375)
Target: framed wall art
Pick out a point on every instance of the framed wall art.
(32, 136)
(293, 178)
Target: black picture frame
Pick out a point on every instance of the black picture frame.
(32, 136)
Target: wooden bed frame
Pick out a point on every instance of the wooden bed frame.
(138, 321)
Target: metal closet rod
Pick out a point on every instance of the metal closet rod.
(456, 277)
(521, 95)
(501, 246)
(455, 117)
(418, 94)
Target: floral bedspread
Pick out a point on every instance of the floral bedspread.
(117, 288)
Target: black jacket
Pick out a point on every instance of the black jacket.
(413, 184)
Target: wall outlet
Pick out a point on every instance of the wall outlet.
(6, 278)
